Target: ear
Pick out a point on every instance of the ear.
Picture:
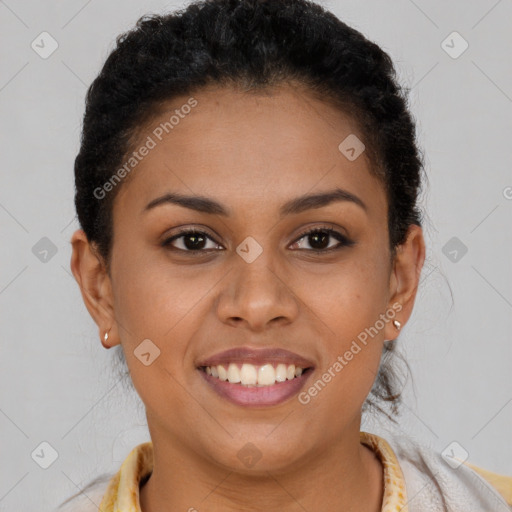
(404, 279)
(91, 274)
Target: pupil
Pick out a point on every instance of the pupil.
(322, 236)
(196, 239)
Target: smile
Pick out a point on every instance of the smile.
(248, 374)
(255, 377)
(248, 385)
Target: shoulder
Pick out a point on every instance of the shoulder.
(89, 498)
(444, 481)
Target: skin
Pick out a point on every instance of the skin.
(252, 153)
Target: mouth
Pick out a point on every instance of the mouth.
(256, 378)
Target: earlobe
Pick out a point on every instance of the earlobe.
(94, 282)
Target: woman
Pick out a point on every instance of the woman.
(247, 188)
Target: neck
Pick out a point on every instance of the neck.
(347, 476)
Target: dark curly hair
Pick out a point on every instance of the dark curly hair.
(252, 45)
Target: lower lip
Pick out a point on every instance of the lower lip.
(257, 396)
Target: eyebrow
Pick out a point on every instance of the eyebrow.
(294, 206)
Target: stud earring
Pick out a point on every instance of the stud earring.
(397, 324)
(105, 339)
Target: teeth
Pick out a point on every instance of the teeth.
(248, 375)
(233, 373)
(281, 373)
(223, 374)
(251, 375)
(266, 375)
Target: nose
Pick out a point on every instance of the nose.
(257, 295)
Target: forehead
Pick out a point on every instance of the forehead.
(247, 147)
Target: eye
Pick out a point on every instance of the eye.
(318, 239)
(195, 241)
(191, 240)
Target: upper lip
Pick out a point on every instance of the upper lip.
(256, 356)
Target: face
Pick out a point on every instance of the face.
(260, 267)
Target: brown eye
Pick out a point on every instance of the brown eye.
(319, 239)
(190, 240)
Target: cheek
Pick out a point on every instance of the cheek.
(355, 331)
(352, 296)
(152, 298)
(350, 304)
(166, 305)
(351, 355)
(158, 314)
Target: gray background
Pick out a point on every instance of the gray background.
(56, 381)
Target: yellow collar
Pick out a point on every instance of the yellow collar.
(122, 494)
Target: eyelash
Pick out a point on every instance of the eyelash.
(342, 239)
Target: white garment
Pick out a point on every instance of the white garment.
(432, 485)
